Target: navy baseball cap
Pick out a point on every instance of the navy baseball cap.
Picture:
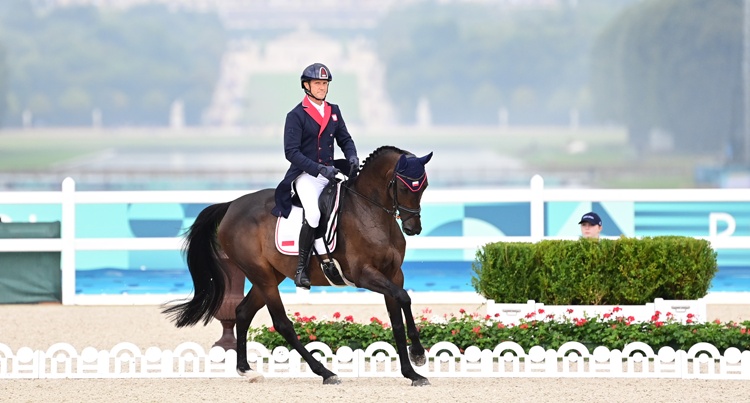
(591, 218)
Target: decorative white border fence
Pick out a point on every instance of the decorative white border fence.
(507, 359)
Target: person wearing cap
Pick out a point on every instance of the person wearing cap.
(591, 225)
(310, 131)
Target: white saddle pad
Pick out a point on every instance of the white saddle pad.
(287, 232)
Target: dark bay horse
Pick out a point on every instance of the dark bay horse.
(370, 250)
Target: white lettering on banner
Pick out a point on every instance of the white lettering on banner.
(713, 220)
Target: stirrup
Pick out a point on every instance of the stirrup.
(302, 280)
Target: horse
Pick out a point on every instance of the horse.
(370, 250)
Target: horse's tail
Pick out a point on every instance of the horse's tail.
(202, 252)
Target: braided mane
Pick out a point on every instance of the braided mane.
(382, 150)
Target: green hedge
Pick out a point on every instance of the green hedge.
(625, 271)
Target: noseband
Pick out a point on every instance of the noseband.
(397, 208)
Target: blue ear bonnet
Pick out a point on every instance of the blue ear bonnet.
(410, 170)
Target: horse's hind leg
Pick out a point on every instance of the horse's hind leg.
(245, 313)
(285, 327)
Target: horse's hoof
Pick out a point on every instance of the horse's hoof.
(418, 360)
(252, 376)
(420, 382)
(332, 380)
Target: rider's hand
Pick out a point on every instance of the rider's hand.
(328, 172)
(353, 165)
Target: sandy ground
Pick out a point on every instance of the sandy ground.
(39, 326)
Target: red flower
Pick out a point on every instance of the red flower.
(461, 311)
(658, 324)
(454, 331)
(271, 329)
(688, 321)
(616, 309)
(349, 318)
(500, 326)
(497, 315)
(476, 330)
(336, 315)
(296, 314)
(541, 311)
(530, 315)
(718, 322)
(690, 315)
(570, 310)
(607, 315)
(743, 330)
(524, 326)
(487, 317)
(313, 337)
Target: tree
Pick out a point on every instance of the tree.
(129, 64)
(471, 60)
(673, 65)
(3, 84)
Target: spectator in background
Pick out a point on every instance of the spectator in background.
(591, 225)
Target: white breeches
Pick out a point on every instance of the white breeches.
(309, 189)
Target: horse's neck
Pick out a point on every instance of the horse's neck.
(373, 184)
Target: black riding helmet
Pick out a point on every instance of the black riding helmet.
(315, 71)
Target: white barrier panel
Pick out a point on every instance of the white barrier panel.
(507, 359)
(537, 195)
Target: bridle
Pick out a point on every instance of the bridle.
(396, 209)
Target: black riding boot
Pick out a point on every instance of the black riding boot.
(306, 239)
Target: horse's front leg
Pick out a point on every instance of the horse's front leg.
(416, 350)
(395, 306)
(396, 301)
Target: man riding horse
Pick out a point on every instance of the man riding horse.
(309, 132)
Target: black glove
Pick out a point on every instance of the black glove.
(353, 165)
(328, 172)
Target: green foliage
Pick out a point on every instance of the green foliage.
(673, 65)
(591, 272)
(130, 64)
(537, 329)
(533, 62)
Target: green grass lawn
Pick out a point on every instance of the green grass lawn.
(607, 155)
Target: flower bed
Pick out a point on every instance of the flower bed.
(550, 331)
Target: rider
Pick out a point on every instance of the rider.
(309, 132)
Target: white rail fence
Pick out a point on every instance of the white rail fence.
(507, 359)
(536, 194)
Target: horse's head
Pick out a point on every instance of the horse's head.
(408, 183)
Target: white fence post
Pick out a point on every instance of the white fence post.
(537, 208)
(68, 238)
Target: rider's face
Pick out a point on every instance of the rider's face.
(319, 88)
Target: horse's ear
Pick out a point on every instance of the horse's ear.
(424, 160)
(402, 163)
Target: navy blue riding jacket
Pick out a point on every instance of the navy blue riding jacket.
(308, 143)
